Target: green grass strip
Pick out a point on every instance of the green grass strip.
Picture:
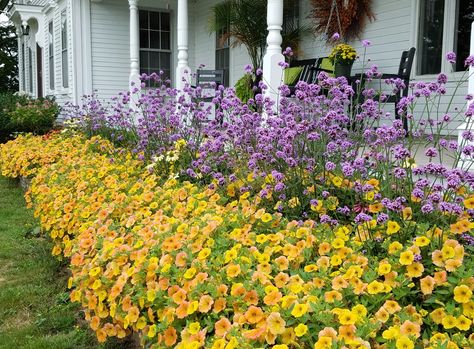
(35, 311)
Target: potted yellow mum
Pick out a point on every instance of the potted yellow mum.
(343, 56)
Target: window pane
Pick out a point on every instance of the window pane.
(51, 40)
(165, 21)
(465, 16)
(431, 36)
(144, 39)
(155, 61)
(51, 73)
(154, 39)
(165, 61)
(166, 74)
(64, 30)
(222, 53)
(143, 15)
(144, 59)
(165, 41)
(65, 69)
(155, 20)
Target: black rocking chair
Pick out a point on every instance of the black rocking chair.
(404, 71)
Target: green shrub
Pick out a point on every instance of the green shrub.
(8, 103)
(36, 116)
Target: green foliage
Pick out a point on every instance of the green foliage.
(18, 113)
(247, 26)
(8, 59)
(36, 116)
(8, 102)
(243, 88)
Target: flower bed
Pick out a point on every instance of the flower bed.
(194, 266)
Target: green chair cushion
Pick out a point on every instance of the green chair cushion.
(327, 65)
(291, 75)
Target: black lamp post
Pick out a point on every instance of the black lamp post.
(25, 30)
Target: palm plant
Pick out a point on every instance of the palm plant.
(246, 25)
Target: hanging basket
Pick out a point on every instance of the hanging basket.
(349, 21)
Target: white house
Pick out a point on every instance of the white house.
(74, 47)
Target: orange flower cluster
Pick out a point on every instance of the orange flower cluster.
(188, 267)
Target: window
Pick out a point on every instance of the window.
(23, 66)
(464, 18)
(30, 69)
(431, 36)
(64, 55)
(223, 53)
(444, 26)
(51, 55)
(155, 42)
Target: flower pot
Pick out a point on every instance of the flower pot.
(341, 69)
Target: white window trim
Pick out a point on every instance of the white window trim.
(448, 39)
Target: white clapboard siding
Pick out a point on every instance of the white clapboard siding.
(110, 47)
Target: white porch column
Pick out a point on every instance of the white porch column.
(134, 44)
(465, 163)
(272, 72)
(183, 72)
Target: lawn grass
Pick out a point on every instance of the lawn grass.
(34, 309)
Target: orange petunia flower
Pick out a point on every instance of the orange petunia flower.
(95, 322)
(328, 332)
(101, 335)
(170, 336)
(179, 296)
(272, 298)
(233, 270)
(251, 297)
(253, 314)
(281, 279)
(126, 303)
(219, 305)
(182, 310)
(275, 323)
(222, 290)
(409, 328)
(205, 303)
(255, 333)
(222, 327)
(332, 296)
(427, 285)
(347, 332)
(282, 263)
(181, 259)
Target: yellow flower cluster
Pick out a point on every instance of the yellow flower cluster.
(343, 53)
(188, 267)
